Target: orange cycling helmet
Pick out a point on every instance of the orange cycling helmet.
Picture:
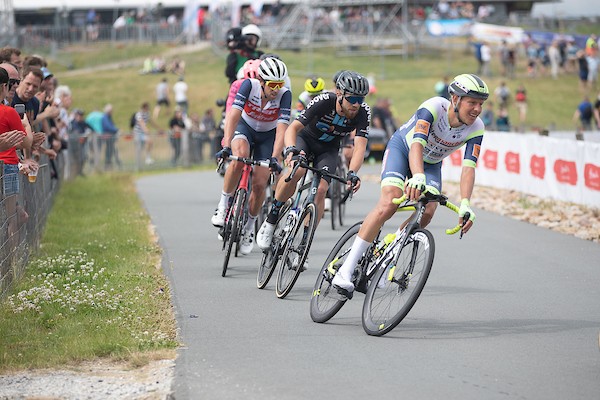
(250, 69)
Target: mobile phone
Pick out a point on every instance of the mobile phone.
(20, 109)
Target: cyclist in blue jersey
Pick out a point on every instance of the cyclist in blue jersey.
(413, 161)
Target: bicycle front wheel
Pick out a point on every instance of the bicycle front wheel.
(235, 221)
(270, 256)
(396, 286)
(325, 301)
(296, 250)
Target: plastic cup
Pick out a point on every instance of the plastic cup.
(32, 176)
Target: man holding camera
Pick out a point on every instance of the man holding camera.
(242, 44)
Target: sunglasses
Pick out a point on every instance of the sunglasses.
(355, 99)
(275, 84)
(12, 82)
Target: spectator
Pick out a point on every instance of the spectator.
(521, 104)
(488, 116)
(591, 53)
(571, 63)
(180, 93)
(177, 66)
(555, 59)
(141, 132)
(11, 122)
(11, 55)
(583, 71)
(441, 88)
(583, 115)
(63, 99)
(503, 121)
(162, 97)
(502, 94)
(208, 128)
(200, 19)
(109, 134)
(177, 129)
(242, 46)
(486, 58)
(382, 117)
(13, 81)
(81, 128)
(597, 111)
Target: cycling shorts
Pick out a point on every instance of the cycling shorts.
(395, 168)
(261, 143)
(323, 154)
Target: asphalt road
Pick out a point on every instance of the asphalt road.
(510, 311)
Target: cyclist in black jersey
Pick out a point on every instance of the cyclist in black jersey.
(317, 133)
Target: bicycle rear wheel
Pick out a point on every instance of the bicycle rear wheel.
(235, 220)
(395, 288)
(296, 250)
(270, 257)
(325, 301)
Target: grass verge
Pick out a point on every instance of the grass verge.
(95, 289)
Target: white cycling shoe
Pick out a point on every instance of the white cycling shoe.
(218, 219)
(247, 242)
(340, 282)
(265, 235)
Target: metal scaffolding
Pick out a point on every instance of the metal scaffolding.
(7, 23)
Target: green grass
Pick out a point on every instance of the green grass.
(95, 289)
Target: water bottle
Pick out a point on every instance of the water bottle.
(381, 246)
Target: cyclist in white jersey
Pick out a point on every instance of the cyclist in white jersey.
(255, 124)
(413, 161)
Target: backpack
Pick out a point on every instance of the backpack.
(133, 120)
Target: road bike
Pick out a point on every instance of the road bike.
(339, 193)
(293, 233)
(237, 213)
(392, 272)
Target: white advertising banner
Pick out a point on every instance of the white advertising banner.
(497, 33)
(546, 167)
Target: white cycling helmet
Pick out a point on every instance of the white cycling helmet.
(252, 29)
(272, 69)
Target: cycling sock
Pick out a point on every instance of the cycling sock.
(224, 202)
(274, 212)
(250, 223)
(358, 248)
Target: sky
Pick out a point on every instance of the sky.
(567, 8)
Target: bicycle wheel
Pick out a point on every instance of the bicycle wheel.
(334, 196)
(395, 288)
(270, 257)
(235, 221)
(325, 301)
(343, 194)
(296, 250)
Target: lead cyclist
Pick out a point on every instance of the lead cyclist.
(413, 161)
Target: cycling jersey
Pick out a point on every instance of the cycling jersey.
(249, 100)
(322, 122)
(430, 127)
(305, 98)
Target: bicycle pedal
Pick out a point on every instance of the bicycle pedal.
(344, 294)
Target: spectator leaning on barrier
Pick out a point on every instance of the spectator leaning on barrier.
(109, 136)
(11, 122)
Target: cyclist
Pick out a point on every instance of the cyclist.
(318, 132)
(256, 122)
(312, 88)
(250, 70)
(413, 161)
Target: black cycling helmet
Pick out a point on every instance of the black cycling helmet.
(337, 75)
(469, 85)
(353, 83)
